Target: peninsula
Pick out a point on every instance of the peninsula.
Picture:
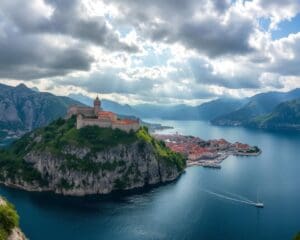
(206, 153)
(89, 152)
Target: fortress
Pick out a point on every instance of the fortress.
(95, 116)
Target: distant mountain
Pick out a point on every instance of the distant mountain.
(286, 115)
(260, 104)
(205, 111)
(122, 109)
(23, 109)
(219, 107)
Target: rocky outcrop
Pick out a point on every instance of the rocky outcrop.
(90, 160)
(78, 171)
(9, 228)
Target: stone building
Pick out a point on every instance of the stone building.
(95, 116)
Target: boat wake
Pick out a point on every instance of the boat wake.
(232, 197)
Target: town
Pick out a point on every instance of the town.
(206, 153)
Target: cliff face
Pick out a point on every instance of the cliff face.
(22, 109)
(72, 165)
(122, 167)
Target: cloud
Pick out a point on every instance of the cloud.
(66, 17)
(199, 25)
(159, 50)
(286, 60)
(28, 57)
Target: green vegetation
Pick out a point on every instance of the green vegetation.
(8, 219)
(297, 237)
(255, 149)
(88, 165)
(285, 116)
(14, 167)
(162, 151)
(62, 133)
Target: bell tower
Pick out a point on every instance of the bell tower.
(97, 106)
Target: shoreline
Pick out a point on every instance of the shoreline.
(216, 162)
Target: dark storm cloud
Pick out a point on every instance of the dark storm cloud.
(30, 57)
(27, 51)
(65, 19)
(231, 38)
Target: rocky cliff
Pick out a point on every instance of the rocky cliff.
(91, 160)
(23, 109)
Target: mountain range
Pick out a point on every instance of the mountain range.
(259, 108)
(205, 111)
(270, 110)
(23, 109)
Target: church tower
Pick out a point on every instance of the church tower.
(97, 106)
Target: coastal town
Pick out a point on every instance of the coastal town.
(206, 153)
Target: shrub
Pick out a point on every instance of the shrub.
(8, 219)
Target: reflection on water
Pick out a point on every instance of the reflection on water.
(182, 210)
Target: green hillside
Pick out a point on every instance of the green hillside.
(285, 116)
(61, 134)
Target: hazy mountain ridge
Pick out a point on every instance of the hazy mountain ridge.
(205, 111)
(286, 115)
(23, 109)
(258, 105)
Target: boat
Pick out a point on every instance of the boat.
(258, 204)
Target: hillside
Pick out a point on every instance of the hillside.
(90, 160)
(9, 222)
(285, 116)
(23, 109)
(257, 105)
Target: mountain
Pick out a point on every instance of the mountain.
(205, 111)
(285, 116)
(23, 109)
(90, 160)
(257, 105)
(219, 107)
(122, 109)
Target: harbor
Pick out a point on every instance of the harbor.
(210, 153)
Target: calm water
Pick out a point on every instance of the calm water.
(182, 210)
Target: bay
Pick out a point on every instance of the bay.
(184, 209)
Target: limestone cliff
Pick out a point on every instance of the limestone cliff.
(90, 160)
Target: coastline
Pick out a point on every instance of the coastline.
(216, 163)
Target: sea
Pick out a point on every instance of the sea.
(208, 204)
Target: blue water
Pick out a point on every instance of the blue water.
(184, 209)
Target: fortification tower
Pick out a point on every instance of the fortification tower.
(97, 106)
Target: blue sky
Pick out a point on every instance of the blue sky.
(164, 52)
(287, 27)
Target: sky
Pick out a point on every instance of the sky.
(159, 51)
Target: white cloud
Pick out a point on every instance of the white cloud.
(168, 51)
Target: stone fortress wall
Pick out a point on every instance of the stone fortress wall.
(88, 116)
